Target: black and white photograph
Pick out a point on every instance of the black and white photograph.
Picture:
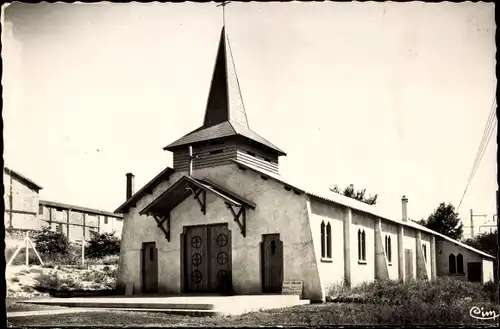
(250, 164)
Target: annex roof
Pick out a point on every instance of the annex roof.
(28, 182)
(329, 196)
(65, 206)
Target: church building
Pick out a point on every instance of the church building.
(223, 220)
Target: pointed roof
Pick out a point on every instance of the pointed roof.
(225, 113)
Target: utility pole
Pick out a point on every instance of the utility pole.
(472, 222)
(498, 250)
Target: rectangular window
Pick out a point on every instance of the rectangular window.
(105, 220)
(424, 247)
(40, 209)
(216, 152)
(251, 153)
(361, 246)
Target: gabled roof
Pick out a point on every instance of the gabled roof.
(28, 182)
(65, 206)
(336, 198)
(225, 113)
(146, 189)
(180, 191)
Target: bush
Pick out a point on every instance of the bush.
(49, 242)
(102, 245)
(53, 282)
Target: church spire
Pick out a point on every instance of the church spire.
(225, 102)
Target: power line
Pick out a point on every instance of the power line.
(477, 165)
(487, 133)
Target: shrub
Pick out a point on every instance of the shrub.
(102, 245)
(49, 242)
(52, 281)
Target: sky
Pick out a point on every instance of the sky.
(391, 97)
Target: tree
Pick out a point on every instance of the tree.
(444, 220)
(102, 245)
(350, 192)
(49, 242)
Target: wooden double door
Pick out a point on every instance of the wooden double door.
(207, 259)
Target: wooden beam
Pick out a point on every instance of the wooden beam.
(241, 213)
(67, 223)
(162, 219)
(203, 200)
(20, 212)
(71, 224)
(83, 239)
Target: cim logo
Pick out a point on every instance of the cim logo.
(481, 314)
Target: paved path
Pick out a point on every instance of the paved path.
(47, 312)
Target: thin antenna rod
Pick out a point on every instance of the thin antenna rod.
(223, 4)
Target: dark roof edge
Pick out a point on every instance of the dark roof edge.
(145, 189)
(55, 204)
(412, 225)
(23, 178)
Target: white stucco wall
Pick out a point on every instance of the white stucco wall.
(277, 211)
(331, 271)
(361, 272)
(488, 270)
(391, 229)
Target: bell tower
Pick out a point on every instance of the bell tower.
(225, 134)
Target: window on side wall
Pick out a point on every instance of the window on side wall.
(326, 242)
(323, 253)
(452, 264)
(40, 209)
(460, 264)
(424, 247)
(388, 249)
(105, 220)
(361, 246)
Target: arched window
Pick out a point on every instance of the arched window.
(328, 241)
(460, 263)
(452, 264)
(388, 250)
(323, 239)
(363, 245)
(359, 245)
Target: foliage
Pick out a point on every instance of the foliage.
(360, 195)
(102, 245)
(445, 220)
(52, 281)
(49, 242)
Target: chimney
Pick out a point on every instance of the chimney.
(130, 185)
(404, 203)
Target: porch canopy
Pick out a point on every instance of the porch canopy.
(186, 186)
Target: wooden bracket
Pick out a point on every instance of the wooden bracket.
(164, 219)
(240, 218)
(201, 196)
